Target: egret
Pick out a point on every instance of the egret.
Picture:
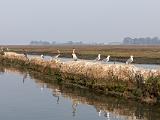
(130, 60)
(106, 59)
(74, 55)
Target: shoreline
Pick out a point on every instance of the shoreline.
(143, 54)
(120, 82)
(101, 102)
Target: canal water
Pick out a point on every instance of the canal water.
(26, 95)
(63, 59)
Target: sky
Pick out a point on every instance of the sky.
(22, 21)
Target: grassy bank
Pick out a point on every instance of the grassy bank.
(142, 54)
(118, 80)
(100, 102)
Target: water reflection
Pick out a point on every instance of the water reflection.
(25, 76)
(110, 108)
(56, 93)
(74, 106)
(2, 70)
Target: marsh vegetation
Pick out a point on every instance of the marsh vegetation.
(119, 80)
(142, 54)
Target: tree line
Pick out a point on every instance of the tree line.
(141, 41)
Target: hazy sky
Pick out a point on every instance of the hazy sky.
(78, 20)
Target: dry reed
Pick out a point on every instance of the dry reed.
(124, 80)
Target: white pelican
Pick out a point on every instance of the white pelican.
(130, 60)
(98, 57)
(106, 59)
(74, 55)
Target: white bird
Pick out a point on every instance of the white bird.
(42, 56)
(98, 57)
(56, 57)
(106, 59)
(74, 55)
(130, 60)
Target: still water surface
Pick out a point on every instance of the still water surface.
(63, 59)
(29, 96)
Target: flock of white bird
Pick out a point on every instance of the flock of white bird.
(75, 58)
(129, 61)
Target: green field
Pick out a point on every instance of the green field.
(142, 54)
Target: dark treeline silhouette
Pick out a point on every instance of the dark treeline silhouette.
(40, 42)
(141, 41)
(53, 43)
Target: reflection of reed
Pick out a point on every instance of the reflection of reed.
(56, 93)
(22, 72)
(2, 70)
(116, 79)
(25, 76)
(74, 107)
(106, 106)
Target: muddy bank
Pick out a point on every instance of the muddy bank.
(118, 80)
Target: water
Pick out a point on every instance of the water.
(29, 96)
(145, 66)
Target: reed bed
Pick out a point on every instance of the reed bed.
(142, 54)
(97, 70)
(116, 79)
(83, 96)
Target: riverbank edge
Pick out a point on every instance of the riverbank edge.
(137, 60)
(147, 93)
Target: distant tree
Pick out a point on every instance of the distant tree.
(53, 43)
(127, 40)
(142, 41)
(40, 43)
